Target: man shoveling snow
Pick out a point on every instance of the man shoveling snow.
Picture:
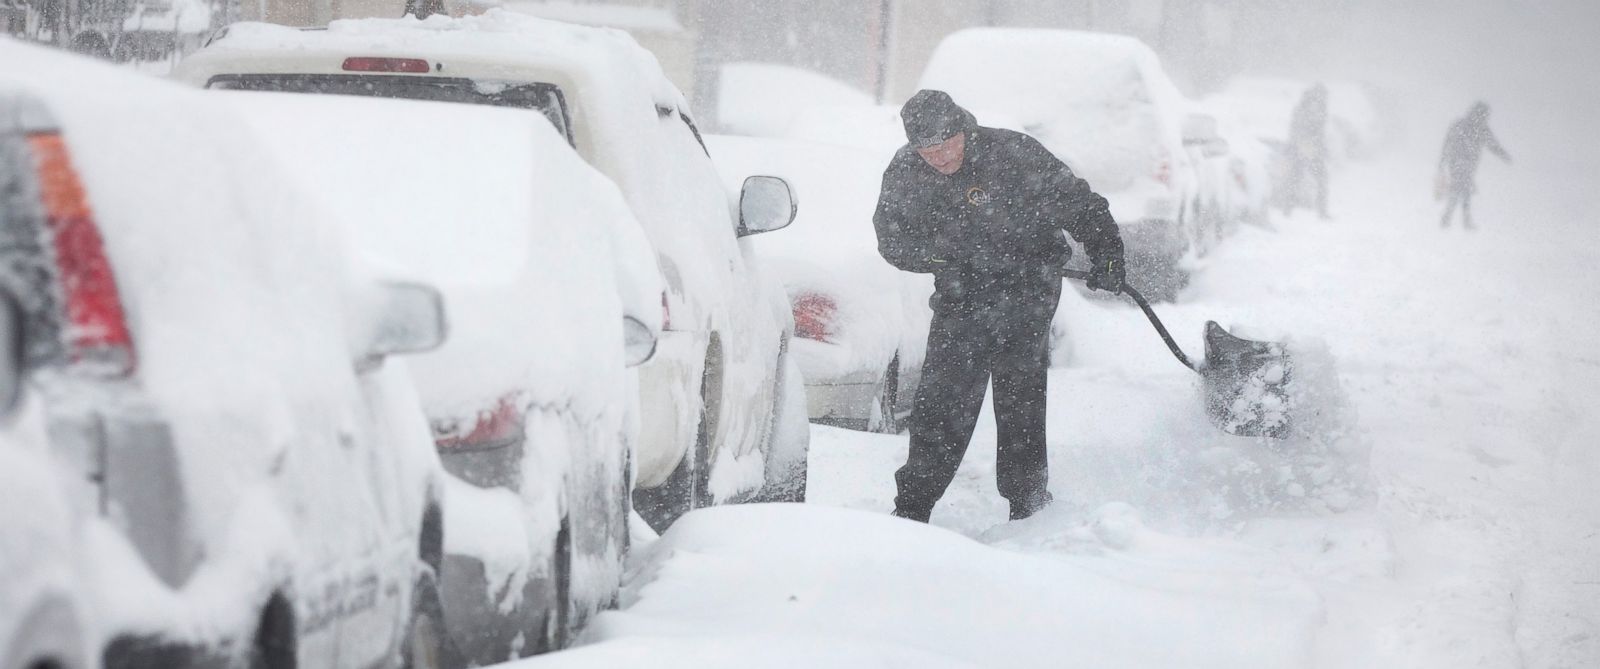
(983, 210)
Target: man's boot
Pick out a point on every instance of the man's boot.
(919, 516)
(1022, 508)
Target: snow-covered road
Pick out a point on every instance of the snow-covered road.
(1441, 515)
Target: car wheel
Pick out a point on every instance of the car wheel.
(558, 620)
(789, 439)
(275, 645)
(688, 487)
(48, 636)
(884, 418)
(427, 644)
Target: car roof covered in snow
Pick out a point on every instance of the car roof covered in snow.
(1007, 66)
(1101, 102)
(490, 206)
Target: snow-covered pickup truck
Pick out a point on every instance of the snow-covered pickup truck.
(1103, 104)
(256, 478)
(722, 407)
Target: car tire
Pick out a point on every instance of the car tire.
(789, 439)
(427, 642)
(885, 418)
(275, 646)
(558, 620)
(48, 636)
(688, 487)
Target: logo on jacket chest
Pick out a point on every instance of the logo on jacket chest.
(977, 196)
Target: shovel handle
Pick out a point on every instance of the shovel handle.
(1144, 305)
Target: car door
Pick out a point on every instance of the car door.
(377, 604)
(753, 325)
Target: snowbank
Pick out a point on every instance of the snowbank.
(879, 591)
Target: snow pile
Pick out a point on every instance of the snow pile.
(866, 589)
(1322, 462)
(764, 99)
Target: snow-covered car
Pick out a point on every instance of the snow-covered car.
(764, 99)
(42, 606)
(256, 475)
(861, 326)
(553, 293)
(716, 400)
(1103, 104)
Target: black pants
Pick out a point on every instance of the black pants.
(1006, 337)
(1460, 194)
(1300, 169)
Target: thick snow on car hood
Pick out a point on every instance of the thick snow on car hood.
(1100, 102)
(535, 251)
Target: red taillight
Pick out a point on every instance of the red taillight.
(666, 312)
(813, 316)
(497, 427)
(1164, 172)
(97, 332)
(369, 64)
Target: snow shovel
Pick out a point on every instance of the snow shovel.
(1246, 382)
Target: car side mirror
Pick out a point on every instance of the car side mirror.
(11, 364)
(765, 204)
(638, 342)
(409, 318)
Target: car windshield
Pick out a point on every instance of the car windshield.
(545, 98)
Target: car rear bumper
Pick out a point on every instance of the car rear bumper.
(843, 400)
(669, 404)
(836, 389)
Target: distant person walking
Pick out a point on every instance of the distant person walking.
(1308, 149)
(1458, 165)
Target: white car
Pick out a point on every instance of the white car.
(553, 293)
(257, 480)
(43, 611)
(1103, 104)
(715, 401)
(861, 326)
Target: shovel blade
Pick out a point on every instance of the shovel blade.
(1247, 384)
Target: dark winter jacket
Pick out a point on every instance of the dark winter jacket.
(995, 225)
(1464, 145)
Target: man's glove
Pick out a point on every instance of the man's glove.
(1107, 275)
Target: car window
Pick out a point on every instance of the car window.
(547, 99)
